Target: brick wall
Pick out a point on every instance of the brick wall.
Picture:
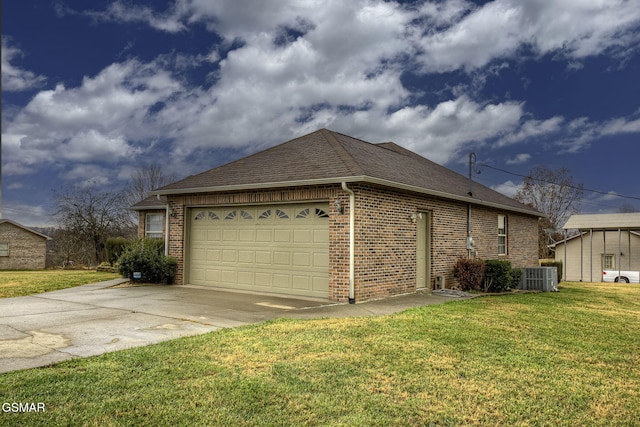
(385, 262)
(27, 251)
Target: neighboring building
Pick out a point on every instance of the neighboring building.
(330, 216)
(21, 248)
(602, 242)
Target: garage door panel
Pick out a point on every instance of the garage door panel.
(247, 235)
(321, 260)
(213, 275)
(263, 279)
(245, 278)
(264, 235)
(230, 235)
(229, 255)
(264, 257)
(302, 259)
(301, 282)
(281, 281)
(277, 248)
(246, 256)
(282, 235)
(213, 235)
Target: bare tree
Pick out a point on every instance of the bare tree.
(553, 193)
(89, 217)
(145, 179)
(627, 208)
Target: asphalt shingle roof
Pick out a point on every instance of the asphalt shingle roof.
(327, 156)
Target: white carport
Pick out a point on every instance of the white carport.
(604, 234)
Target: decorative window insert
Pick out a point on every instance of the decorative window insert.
(199, 216)
(213, 215)
(502, 235)
(231, 215)
(246, 215)
(281, 214)
(303, 213)
(266, 214)
(321, 214)
(153, 226)
(608, 262)
(4, 249)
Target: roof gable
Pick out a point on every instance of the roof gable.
(15, 224)
(329, 157)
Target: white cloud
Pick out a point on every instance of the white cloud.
(519, 159)
(532, 129)
(14, 78)
(339, 66)
(121, 12)
(102, 120)
(574, 29)
(508, 188)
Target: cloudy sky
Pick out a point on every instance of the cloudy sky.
(93, 90)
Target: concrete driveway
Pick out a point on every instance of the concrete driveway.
(93, 319)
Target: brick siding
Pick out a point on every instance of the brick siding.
(27, 251)
(385, 249)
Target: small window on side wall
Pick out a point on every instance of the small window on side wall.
(153, 226)
(4, 249)
(502, 235)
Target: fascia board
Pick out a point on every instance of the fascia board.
(349, 179)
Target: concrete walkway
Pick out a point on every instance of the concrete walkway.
(98, 318)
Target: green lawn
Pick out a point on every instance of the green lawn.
(553, 359)
(21, 283)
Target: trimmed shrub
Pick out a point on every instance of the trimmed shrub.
(115, 247)
(557, 264)
(516, 277)
(469, 273)
(148, 260)
(497, 275)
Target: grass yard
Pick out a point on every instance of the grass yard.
(568, 358)
(21, 283)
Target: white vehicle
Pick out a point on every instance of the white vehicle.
(621, 276)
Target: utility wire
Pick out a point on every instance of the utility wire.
(549, 182)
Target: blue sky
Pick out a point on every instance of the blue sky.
(92, 90)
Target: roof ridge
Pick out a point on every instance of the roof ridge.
(346, 158)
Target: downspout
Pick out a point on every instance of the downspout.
(166, 227)
(352, 240)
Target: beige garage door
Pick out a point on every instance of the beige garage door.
(281, 249)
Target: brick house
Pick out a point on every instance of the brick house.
(330, 216)
(21, 248)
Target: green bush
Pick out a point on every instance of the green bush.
(146, 258)
(469, 273)
(516, 277)
(497, 275)
(557, 264)
(115, 247)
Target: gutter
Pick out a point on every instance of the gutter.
(352, 239)
(345, 180)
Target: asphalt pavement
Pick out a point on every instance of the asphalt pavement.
(93, 319)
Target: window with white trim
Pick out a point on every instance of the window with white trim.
(502, 235)
(608, 262)
(4, 249)
(153, 226)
